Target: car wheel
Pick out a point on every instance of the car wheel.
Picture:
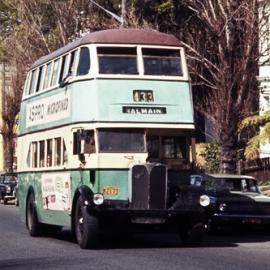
(85, 226)
(192, 234)
(16, 202)
(32, 223)
(5, 201)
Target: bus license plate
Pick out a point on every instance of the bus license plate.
(110, 191)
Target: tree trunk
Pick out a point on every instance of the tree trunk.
(228, 139)
(8, 152)
(227, 160)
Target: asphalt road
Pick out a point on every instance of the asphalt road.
(228, 250)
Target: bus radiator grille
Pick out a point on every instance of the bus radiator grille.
(148, 186)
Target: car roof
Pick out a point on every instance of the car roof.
(233, 176)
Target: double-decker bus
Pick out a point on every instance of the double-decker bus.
(104, 135)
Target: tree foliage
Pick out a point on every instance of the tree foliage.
(221, 38)
(222, 44)
(261, 124)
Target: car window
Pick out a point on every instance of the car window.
(10, 179)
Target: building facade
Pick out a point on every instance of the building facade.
(264, 66)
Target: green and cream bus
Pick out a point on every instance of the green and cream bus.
(105, 133)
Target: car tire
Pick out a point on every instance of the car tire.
(33, 225)
(5, 201)
(16, 202)
(192, 234)
(86, 226)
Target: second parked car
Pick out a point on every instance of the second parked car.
(234, 199)
(8, 183)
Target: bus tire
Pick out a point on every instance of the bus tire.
(86, 226)
(32, 223)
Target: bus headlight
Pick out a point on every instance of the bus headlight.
(204, 200)
(98, 199)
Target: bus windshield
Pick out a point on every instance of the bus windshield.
(162, 62)
(121, 140)
(117, 60)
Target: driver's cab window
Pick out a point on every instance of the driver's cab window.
(153, 147)
(84, 142)
(174, 147)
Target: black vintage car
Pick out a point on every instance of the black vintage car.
(234, 200)
(8, 183)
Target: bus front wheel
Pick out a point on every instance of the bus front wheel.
(32, 223)
(85, 226)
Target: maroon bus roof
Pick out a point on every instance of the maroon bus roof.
(115, 36)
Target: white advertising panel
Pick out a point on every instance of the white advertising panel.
(48, 109)
(55, 189)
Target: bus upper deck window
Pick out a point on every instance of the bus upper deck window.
(55, 72)
(40, 78)
(33, 82)
(73, 63)
(84, 62)
(64, 68)
(47, 75)
(118, 60)
(162, 62)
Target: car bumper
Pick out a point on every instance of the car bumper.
(9, 197)
(240, 219)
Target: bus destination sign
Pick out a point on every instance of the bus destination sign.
(144, 110)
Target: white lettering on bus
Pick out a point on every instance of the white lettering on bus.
(144, 110)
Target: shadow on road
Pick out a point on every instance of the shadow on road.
(224, 238)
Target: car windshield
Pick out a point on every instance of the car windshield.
(121, 140)
(9, 179)
(232, 184)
